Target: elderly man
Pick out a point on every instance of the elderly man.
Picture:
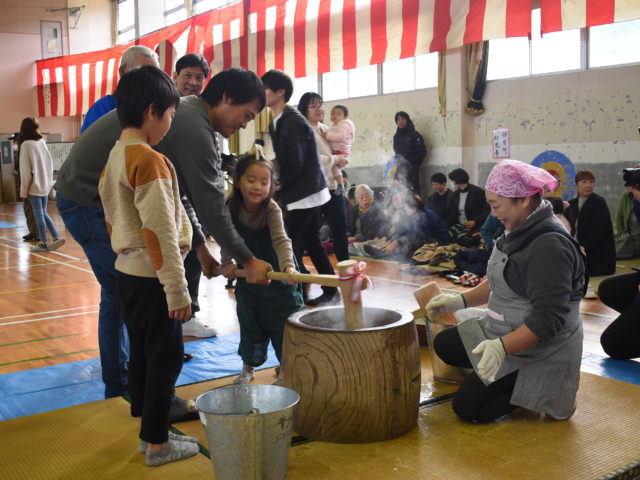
(133, 57)
(232, 99)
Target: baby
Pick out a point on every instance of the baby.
(340, 136)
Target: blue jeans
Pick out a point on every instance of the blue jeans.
(43, 220)
(87, 227)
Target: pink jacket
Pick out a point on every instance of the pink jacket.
(340, 135)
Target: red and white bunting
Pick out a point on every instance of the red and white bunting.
(566, 15)
(306, 37)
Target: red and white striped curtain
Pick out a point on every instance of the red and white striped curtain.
(305, 37)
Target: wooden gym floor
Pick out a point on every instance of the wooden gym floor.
(48, 316)
(49, 300)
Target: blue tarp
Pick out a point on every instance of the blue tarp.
(623, 370)
(59, 386)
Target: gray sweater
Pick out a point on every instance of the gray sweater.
(549, 271)
(192, 148)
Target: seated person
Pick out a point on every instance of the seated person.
(366, 218)
(593, 229)
(559, 206)
(411, 227)
(621, 339)
(491, 229)
(441, 197)
(468, 205)
(628, 217)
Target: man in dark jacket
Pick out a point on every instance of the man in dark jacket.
(468, 205)
(303, 186)
(410, 150)
(441, 197)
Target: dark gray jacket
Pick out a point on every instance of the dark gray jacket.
(549, 271)
(192, 148)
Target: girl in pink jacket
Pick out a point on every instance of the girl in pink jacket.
(340, 135)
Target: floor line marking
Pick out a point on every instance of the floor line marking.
(21, 342)
(48, 312)
(49, 287)
(49, 258)
(17, 322)
(47, 356)
(46, 264)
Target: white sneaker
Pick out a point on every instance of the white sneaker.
(196, 328)
(591, 294)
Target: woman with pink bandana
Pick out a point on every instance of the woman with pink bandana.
(526, 349)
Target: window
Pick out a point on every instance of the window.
(335, 85)
(555, 52)
(363, 81)
(508, 58)
(174, 12)
(398, 76)
(126, 21)
(357, 82)
(614, 44)
(427, 70)
(410, 73)
(303, 85)
(521, 57)
(200, 6)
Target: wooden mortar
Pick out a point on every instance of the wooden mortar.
(355, 386)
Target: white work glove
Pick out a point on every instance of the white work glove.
(493, 355)
(444, 303)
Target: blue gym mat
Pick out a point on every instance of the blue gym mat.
(623, 370)
(7, 225)
(59, 386)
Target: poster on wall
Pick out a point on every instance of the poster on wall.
(501, 142)
(562, 168)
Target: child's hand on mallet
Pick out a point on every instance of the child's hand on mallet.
(291, 271)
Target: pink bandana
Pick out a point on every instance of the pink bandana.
(514, 179)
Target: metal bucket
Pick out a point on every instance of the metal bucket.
(442, 371)
(248, 428)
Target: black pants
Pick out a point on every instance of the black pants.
(156, 352)
(335, 212)
(303, 227)
(193, 273)
(474, 401)
(621, 339)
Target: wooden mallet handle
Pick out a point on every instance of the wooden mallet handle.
(324, 280)
(353, 312)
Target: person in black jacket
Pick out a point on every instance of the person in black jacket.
(440, 199)
(472, 211)
(592, 226)
(409, 148)
(303, 186)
